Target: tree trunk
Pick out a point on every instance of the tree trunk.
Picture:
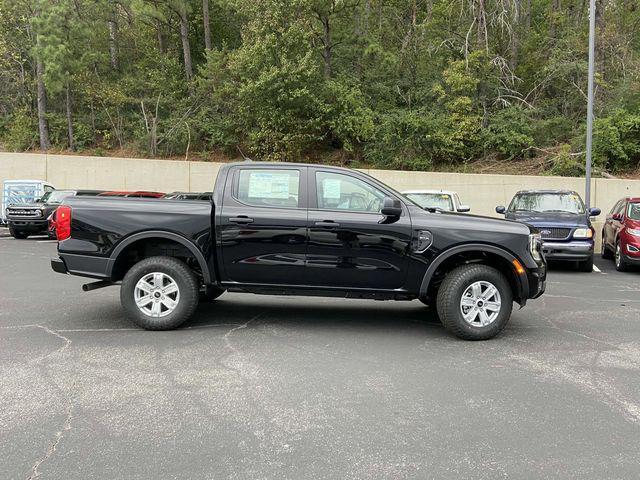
(207, 25)
(326, 51)
(42, 107)
(113, 39)
(184, 37)
(481, 20)
(69, 117)
(600, 37)
(161, 44)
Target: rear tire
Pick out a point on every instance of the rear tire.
(17, 234)
(586, 265)
(159, 293)
(456, 294)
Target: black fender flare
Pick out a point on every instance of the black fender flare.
(523, 282)
(192, 247)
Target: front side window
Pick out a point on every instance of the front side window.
(269, 187)
(440, 201)
(547, 203)
(634, 211)
(337, 191)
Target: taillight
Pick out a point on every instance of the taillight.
(63, 222)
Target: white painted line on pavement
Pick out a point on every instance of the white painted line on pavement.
(596, 269)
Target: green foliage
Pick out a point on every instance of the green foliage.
(617, 140)
(510, 132)
(565, 164)
(20, 131)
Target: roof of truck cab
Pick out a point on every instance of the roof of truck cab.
(254, 163)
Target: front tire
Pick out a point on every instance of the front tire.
(621, 263)
(586, 265)
(159, 293)
(475, 302)
(17, 234)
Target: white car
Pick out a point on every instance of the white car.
(444, 200)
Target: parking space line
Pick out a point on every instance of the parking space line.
(596, 269)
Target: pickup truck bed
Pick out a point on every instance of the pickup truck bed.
(303, 230)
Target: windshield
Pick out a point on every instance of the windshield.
(441, 201)
(547, 202)
(56, 196)
(634, 211)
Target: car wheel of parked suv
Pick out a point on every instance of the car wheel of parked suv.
(159, 293)
(17, 234)
(604, 251)
(621, 264)
(586, 265)
(475, 302)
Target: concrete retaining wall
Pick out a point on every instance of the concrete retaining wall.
(481, 192)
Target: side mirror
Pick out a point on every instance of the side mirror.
(594, 212)
(617, 217)
(464, 208)
(501, 210)
(391, 207)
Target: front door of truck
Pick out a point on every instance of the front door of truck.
(263, 225)
(349, 246)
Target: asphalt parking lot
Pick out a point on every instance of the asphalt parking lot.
(285, 387)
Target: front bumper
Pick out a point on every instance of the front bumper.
(28, 225)
(573, 250)
(537, 279)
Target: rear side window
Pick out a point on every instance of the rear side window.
(269, 187)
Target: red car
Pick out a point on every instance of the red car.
(621, 233)
(138, 194)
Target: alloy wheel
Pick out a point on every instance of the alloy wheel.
(157, 294)
(480, 304)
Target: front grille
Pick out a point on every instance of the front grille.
(19, 212)
(548, 233)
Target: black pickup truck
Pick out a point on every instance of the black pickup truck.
(284, 228)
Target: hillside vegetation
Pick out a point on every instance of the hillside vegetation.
(405, 84)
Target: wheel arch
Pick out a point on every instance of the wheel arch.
(159, 235)
(491, 255)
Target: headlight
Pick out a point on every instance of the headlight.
(39, 213)
(535, 246)
(633, 231)
(583, 233)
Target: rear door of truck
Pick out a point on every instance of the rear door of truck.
(263, 225)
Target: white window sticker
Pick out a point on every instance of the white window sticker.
(331, 188)
(269, 185)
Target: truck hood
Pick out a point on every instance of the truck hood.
(550, 219)
(465, 221)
